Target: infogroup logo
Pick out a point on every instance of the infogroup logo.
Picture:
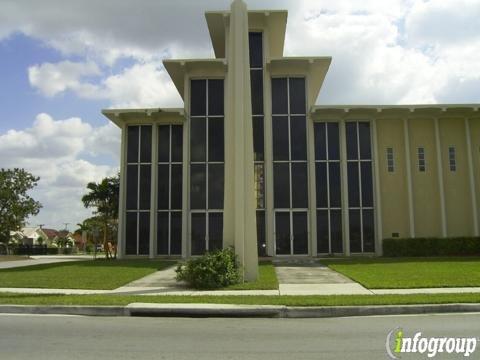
(397, 344)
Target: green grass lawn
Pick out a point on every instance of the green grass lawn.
(404, 273)
(267, 279)
(343, 300)
(91, 274)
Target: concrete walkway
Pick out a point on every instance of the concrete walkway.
(163, 283)
(315, 279)
(43, 259)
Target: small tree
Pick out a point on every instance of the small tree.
(104, 197)
(15, 204)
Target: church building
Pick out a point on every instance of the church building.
(252, 162)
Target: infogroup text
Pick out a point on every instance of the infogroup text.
(397, 344)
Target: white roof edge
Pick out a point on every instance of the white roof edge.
(301, 58)
(223, 60)
(142, 110)
(227, 12)
(407, 107)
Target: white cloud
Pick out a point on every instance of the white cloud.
(443, 22)
(55, 150)
(110, 29)
(391, 52)
(141, 85)
(52, 79)
(383, 51)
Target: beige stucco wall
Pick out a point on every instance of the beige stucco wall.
(475, 141)
(426, 199)
(393, 185)
(456, 183)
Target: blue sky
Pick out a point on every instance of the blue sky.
(20, 102)
(61, 62)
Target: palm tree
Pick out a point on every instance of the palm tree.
(84, 227)
(104, 197)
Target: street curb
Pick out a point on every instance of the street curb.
(64, 310)
(369, 310)
(205, 310)
(238, 311)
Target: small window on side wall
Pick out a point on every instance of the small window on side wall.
(452, 158)
(390, 160)
(421, 159)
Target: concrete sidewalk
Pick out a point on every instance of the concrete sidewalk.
(295, 279)
(43, 259)
(145, 291)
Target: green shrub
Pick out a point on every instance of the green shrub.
(453, 246)
(211, 271)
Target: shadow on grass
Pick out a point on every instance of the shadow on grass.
(98, 263)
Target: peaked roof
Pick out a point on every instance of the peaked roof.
(51, 233)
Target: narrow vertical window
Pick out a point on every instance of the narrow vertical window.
(360, 187)
(421, 159)
(256, 81)
(290, 180)
(390, 160)
(207, 154)
(139, 170)
(452, 160)
(169, 190)
(327, 171)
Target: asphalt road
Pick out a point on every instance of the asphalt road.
(75, 337)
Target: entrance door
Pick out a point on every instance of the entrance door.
(291, 232)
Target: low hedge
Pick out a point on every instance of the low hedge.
(449, 246)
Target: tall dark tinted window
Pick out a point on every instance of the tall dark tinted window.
(297, 95)
(256, 81)
(258, 139)
(198, 98)
(279, 96)
(139, 176)
(261, 234)
(207, 156)
(290, 177)
(256, 49)
(328, 188)
(215, 97)
(169, 191)
(360, 187)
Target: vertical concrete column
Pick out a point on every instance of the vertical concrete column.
(122, 196)
(378, 195)
(408, 168)
(343, 174)
(312, 191)
(473, 192)
(153, 193)
(441, 186)
(186, 171)
(239, 213)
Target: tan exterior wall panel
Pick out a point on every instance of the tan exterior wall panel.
(475, 141)
(457, 188)
(393, 185)
(425, 184)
